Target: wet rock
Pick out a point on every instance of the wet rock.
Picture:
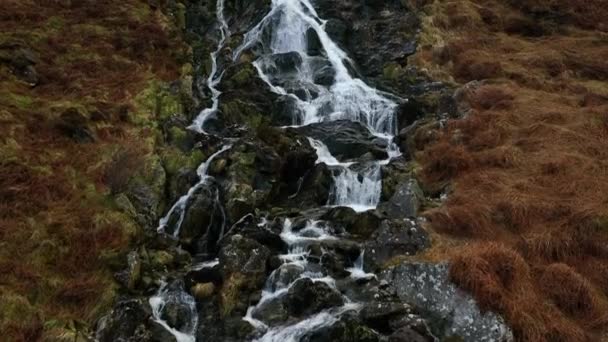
(450, 311)
(273, 312)
(203, 218)
(395, 237)
(348, 328)
(157, 333)
(315, 48)
(178, 308)
(285, 275)
(123, 322)
(312, 189)
(361, 225)
(246, 99)
(211, 323)
(323, 71)
(406, 334)
(180, 184)
(346, 140)
(405, 202)
(244, 256)
(306, 297)
(205, 275)
(287, 62)
(284, 111)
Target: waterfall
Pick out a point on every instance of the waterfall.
(187, 304)
(359, 190)
(214, 79)
(179, 208)
(344, 98)
(357, 271)
(278, 284)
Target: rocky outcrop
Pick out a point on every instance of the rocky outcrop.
(395, 238)
(346, 140)
(453, 312)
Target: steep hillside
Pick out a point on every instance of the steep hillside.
(80, 86)
(526, 168)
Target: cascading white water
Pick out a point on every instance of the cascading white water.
(279, 282)
(179, 207)
(166, 297)
(214, 79)
(357, 271)
(359, 190)
(346, 98)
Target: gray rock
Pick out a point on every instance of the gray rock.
(405, 202)
(203, 217)
(306, 297)
(123, 322)
(244, 256)
(451, 312)
(395, 237)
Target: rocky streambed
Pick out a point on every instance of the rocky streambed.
(288, 229)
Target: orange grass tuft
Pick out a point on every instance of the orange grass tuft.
(528, 165)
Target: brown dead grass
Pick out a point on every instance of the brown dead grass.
(56, 219)
(528, 165)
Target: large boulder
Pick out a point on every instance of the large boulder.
(347, 328)
(243, 265)
(448, 311)
(125, 321)
(244, 256)
(346, 139)
(394, 238)
(305, 297)
(203, 218)
(405, 202)
(178, 307)
(360, 225)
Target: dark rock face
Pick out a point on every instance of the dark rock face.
(346, 139)
(246, 257)
(347, 329)
(373, 32)
(396, 237)
(125, 321)
(306, 297)
(361, 225)
(203, 215)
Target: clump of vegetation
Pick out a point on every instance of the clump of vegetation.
(527, 164)
(69, 73)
